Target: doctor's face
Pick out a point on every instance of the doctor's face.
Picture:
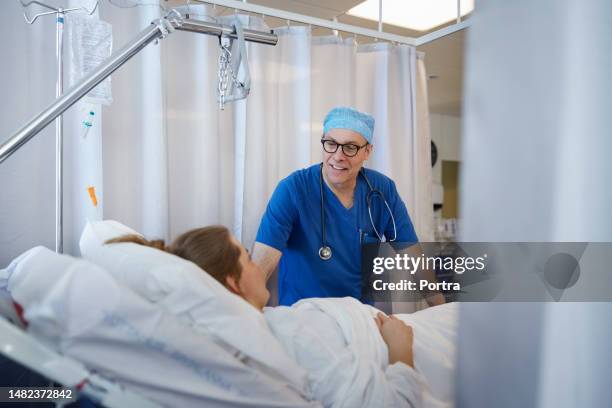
(338, 167)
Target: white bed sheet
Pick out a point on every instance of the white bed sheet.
(435, 347)
(337, 341)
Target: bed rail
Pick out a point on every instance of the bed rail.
(28, 352)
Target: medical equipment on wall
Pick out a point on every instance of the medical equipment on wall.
(325, 252)
(60, 16)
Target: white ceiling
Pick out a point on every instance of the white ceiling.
(443, 57)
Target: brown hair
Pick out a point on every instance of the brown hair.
(210, 248)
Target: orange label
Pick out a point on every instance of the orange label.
(92, 195)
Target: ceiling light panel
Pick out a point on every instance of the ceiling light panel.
(419, 15)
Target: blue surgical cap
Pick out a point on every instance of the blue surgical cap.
(349, 118)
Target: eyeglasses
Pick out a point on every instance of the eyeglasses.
(349, 149)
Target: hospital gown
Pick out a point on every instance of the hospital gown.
(339, 344)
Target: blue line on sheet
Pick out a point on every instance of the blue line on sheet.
(118, 322)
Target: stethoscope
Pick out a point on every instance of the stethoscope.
(325, 252)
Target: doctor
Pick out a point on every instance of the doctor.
(318, 217)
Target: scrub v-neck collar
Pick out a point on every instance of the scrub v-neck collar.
(335, 201)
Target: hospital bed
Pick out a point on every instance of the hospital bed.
(32, 355)
(86, 330)
(129, 323)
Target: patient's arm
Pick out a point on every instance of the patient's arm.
(266, 257)
(399, 338)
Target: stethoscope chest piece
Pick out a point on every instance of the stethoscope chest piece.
(325, 253)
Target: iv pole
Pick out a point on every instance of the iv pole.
(60, 15)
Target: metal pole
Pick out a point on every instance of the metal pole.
(59, 137)
(380, 26)
(60, 105)
(458, 11)
(427, 38)
(318, 22)
(206, 27)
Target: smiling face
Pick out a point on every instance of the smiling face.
(339, 169)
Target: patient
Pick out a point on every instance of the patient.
(311, 331)
(218, 252)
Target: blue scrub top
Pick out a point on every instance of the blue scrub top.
(292, 224)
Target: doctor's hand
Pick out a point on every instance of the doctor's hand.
(398, 336)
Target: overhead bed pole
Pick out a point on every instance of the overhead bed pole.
(158, 29)
(206, 27)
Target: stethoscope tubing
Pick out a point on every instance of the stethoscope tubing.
(325, 252)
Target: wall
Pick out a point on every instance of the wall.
(446, 133)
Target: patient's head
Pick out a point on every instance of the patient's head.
(217, 252)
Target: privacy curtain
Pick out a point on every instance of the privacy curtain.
(537, 168)
(167, 159)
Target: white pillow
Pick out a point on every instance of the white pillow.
(188, 292)
(81, 311)
(11, 276)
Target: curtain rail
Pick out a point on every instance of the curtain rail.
(319, 22)
(334, 25)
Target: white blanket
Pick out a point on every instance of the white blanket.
(435, 346)
(79, 310)
(337, 341)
